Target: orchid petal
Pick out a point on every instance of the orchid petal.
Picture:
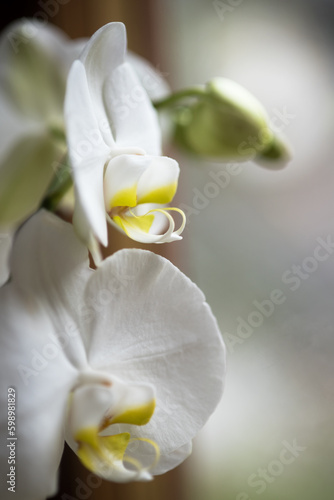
(28, 76)
(169, 337)
(89, 198)
(31, 52)
(36, 342)
(121, 179)
(170, 460)
(85, 233)
(88, 153)
(33, 363)
(85, 135)
(116, 93)
(48, 262)
(103, 53)
(130, 111)
(158, 183)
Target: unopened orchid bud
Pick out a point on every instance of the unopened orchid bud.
(226, 122)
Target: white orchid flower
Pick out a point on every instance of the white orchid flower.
(125, 362)
(114, 147)
(34, 62)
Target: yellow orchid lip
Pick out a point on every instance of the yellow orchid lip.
(106, 455)
(126, 199)
(134, 193)
(123, 198)
(142, 223)
(137, 415)
(118, 211)
(104, 418)
(129, 197)
(138, 227)
(97, 452)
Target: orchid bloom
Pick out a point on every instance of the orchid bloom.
(34, 62)
(125, 362)
(114, 147)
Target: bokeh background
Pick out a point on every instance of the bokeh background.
(254, 235)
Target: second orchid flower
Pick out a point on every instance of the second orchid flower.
(114, 148)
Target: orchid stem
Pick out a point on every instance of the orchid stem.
(60, 184)
(173, 99)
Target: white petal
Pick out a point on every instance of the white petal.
(48, 262)
(103, 53)
(121, 179)
(130, 112)
(32, 362)
(35, 61)
(150, 78)
(153, 326)
(172, 459)
(84, 232)
(89, 200)
(159, 181)
(88, 152)
(86, 136)
(56, 44)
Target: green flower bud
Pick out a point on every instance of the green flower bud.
(225, 122)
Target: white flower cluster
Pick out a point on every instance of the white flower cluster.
(126, 362)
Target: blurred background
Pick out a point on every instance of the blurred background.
(259, 244)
